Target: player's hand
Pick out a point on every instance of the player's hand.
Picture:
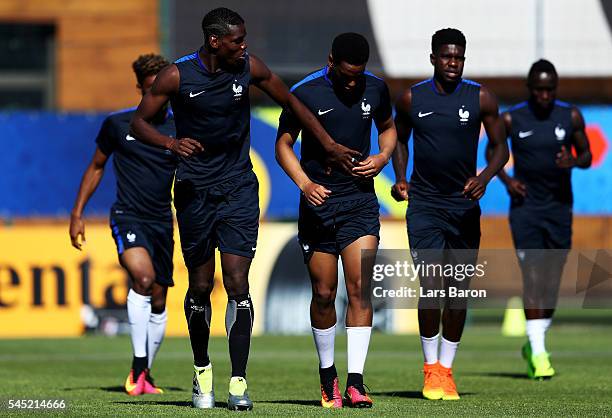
(516, 188)
(399, 190)
(371, 166)
(565, 159)
(474, 188)
(315, 193)
(343, 157)
(77, 228)
(185, 147)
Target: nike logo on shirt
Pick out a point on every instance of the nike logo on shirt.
(129, 137)
(422, 115)
(192, 94)
(322, 112)
(525, 134)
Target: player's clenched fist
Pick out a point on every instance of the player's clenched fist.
(343, 157)
(185, 147)
(77, 229)
(315, 193)
(399, 191)
(516, 188)
(371, 166)
(474, 188)
(565, 159)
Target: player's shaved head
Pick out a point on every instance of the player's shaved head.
(148, 65)
(448, 36)
(539, 67)
(351, 48)
(217, 22)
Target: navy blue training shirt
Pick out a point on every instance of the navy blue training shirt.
(349, 124)
(144, 172)
(446, 130)
(535, 144)
(214, 109)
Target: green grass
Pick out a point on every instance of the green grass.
(89, 372)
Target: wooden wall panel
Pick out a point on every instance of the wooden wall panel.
(29, 8)
(96, 43)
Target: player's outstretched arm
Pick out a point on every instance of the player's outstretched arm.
(489, 110)
(515, 187)
(387, 140)
(274, 87)
(399, 191)
(89, 183)
(166, 84)
(580, 142)
(285, 139)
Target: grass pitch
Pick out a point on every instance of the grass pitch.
(283, 380)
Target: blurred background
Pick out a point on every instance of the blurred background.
(64, 65)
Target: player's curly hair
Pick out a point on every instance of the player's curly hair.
(146, 65)
(541, 66)
(351, 48)
(217, 22)
(448, 36)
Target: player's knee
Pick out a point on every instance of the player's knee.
(201, 282)
(353, 290)
(201, 289)
(235, 283)
(143, 283)
(324, 297)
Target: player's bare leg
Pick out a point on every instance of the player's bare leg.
(541, 281)
(429, 328)
(358, 317)
(239, 325)
(198, 312)
(323, 269)
(156, 331)
(139, 266)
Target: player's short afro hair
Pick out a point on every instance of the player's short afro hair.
(351, 48)
(541, 66)
(217, 22)
(447, 36)
(147, 65)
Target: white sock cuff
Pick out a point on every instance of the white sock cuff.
(358, 341)
(207, 367)
(138, 299)
(536, 332)
(448, 349)
(359, 329)
(159, 318)
(327, 331)
(429, 345)
(445, 341)
(542, 322)
(139, 314)
(324, 342)
(434, 338)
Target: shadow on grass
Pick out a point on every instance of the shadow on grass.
(186, 404)
(121, 389)
(400, 394)
(304, 402)
(409, 394)
(507, 375)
